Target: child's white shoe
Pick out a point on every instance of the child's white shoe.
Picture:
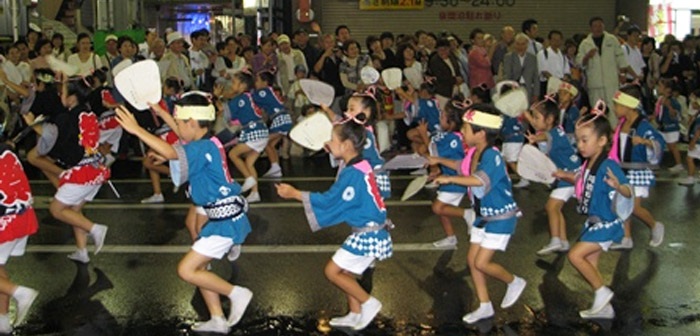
(98, 233)
(603, 295)
(625, 244)
(234, 252)
(253, 197)
(217, 324)
(80, 256)
(154, 199)
(484, 311)
(240, 298)
(25, 298)
(449, 242)
(5, 325)
(274, 171)
(249, 183)
(606, 313)
(657, 235)
(350, 320)
(370, 309)
(515, 288)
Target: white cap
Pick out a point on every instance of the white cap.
(174, 36)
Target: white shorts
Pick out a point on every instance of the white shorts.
(671, 137)
(695, 153)
(76, 194)
(352, 263)
(14, 248)
(214, 247)
(491, 241)
(563, 193)
(511, 150)
(200, 210)
(605, 245)
(451, 198)
(257, 145)
(641, 192)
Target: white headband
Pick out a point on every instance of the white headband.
(482, 119)
(626, 100)
(195, 112)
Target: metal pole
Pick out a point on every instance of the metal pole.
(15, 19)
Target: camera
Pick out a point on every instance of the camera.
(623, 18)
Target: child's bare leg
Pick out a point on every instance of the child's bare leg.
(691, 166)
(191, 222)
(192, 269)
(584, 257)
(562, 227)
(443, 210)
(6, 289)
(484, 264)
(628, 228)
(478, 277)
(345, 282)
(673, 148)
(271, 148)
(236, 155)
(553, 208)
(643, 214)
(48, 167)
(73, 216)
(250, 165)
(286, 147)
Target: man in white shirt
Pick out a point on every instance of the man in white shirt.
(146, 46)
(552, 62)
(530, 28)
(633, 55)
(198, 59)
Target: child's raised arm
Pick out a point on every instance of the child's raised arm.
(163, 114)
(128, 122)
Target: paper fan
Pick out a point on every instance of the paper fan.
(414, 77)
(60, 66)
(535, 166)
(121, 66)
(553, 84)
(318, 92)
(414, 187)
(513, 103)
(405, 161)
(369, 75)
(392, 78)
(140, 84)
(499, 86)
(313, 132)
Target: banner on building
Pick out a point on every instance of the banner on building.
(391, 4)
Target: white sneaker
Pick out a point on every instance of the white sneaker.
(240, 298)
(657, 235)
(217, 324)
(274, 171)
(25, 297)
(5, 325)
(677, 168)
(369, 311)
(687, 181)
(350, 320)
(565, 247)
(523, 183)
(554, 246)
(626, 244)
(253, 197)
(248, 183)
(153, 199)
(484, 311)
(98, 234)
(419, 172)
(469, 217)
(602, 297)
(234, 252)
(80, 256)
(513, 292)
(449, 242)
(606, 313)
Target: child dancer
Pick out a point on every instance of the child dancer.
(667, 113)
(512, 134)
(171, 88)
(280, 120)
(639, 146)
(496, 211)
(420, 107)
(447, 150)
(254, 134)
(544, 119)
(202, 161)
(102, 103)
(354, 199)
(600, 185)
(693, 136)
(71, 139)
(568, 111)
(19, 222)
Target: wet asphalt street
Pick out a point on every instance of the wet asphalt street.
(131, 288)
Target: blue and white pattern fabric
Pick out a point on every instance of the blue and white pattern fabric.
(562, 153)
(512, 130)
(203, 163)
(641, 154)
(601, 203)
(568, 119)
(449, 145)
(268, 101)
(353, 199)
(495, 196)
(427, 110)
(371, 154)
(666, 122)
(243, 110)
